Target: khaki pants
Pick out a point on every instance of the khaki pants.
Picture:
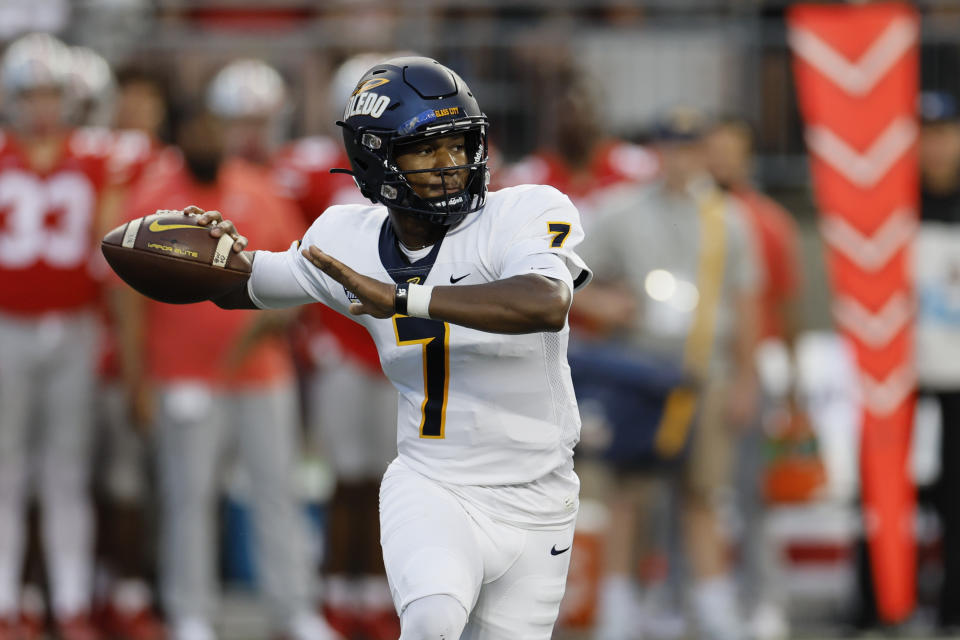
(710, 458)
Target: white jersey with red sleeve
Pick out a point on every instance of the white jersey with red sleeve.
(48, 224)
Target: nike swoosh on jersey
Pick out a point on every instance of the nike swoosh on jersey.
(156, 226)
(555, 552)
(456, 280)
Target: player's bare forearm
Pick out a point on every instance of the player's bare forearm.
(529, 303)
(747, 332)
(522, 304)
(272, 322)
(607, 306)
(128, 313)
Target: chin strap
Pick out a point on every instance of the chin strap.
(346, 171)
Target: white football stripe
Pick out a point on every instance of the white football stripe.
(863, 169)
(130, 233)
(220, 255)
(859, 77)
(875, 329)
(870, 253)
(884, 397)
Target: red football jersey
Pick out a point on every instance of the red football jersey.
(135, 160)
(48, 224)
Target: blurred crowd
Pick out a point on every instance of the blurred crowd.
(126, 425)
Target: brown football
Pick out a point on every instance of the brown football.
(167, 256)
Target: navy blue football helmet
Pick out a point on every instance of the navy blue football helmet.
(405, 100)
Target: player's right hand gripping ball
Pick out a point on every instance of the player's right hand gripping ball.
(167, 256)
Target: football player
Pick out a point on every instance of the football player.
(52, 180)
(125, 607)
(250, 99)
(465, 294)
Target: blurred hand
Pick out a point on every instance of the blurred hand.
(376, 298)
(798, 422)
(218, 226)
(142, 406)
(607, 307)
(273, 322)
(743, 399)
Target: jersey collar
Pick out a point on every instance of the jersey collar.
(397, 264)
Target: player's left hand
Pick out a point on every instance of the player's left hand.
(218, 226)
(376, 298)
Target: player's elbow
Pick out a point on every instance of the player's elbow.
(553, 313)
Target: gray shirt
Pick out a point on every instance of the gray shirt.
(649, 239)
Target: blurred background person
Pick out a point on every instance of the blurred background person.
(729, 156)
(575, 153)
(126, 549)
(938, 337)
(52, 183)
(141, 121)
(250, 99)
(676, 280)
(230, 387)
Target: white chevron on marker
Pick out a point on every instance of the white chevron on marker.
(884, 397)
(873, 252)
(863, 169)
(875, 329)
(859, 77)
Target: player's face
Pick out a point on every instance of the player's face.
(248, 138)
(940, 151)
(140, 106)
(40, 111)
(434, 153)
(728, 157)
(200, 141)
(680, 162)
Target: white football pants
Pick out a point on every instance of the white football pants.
(510, 579)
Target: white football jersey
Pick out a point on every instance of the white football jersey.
(475, 408)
